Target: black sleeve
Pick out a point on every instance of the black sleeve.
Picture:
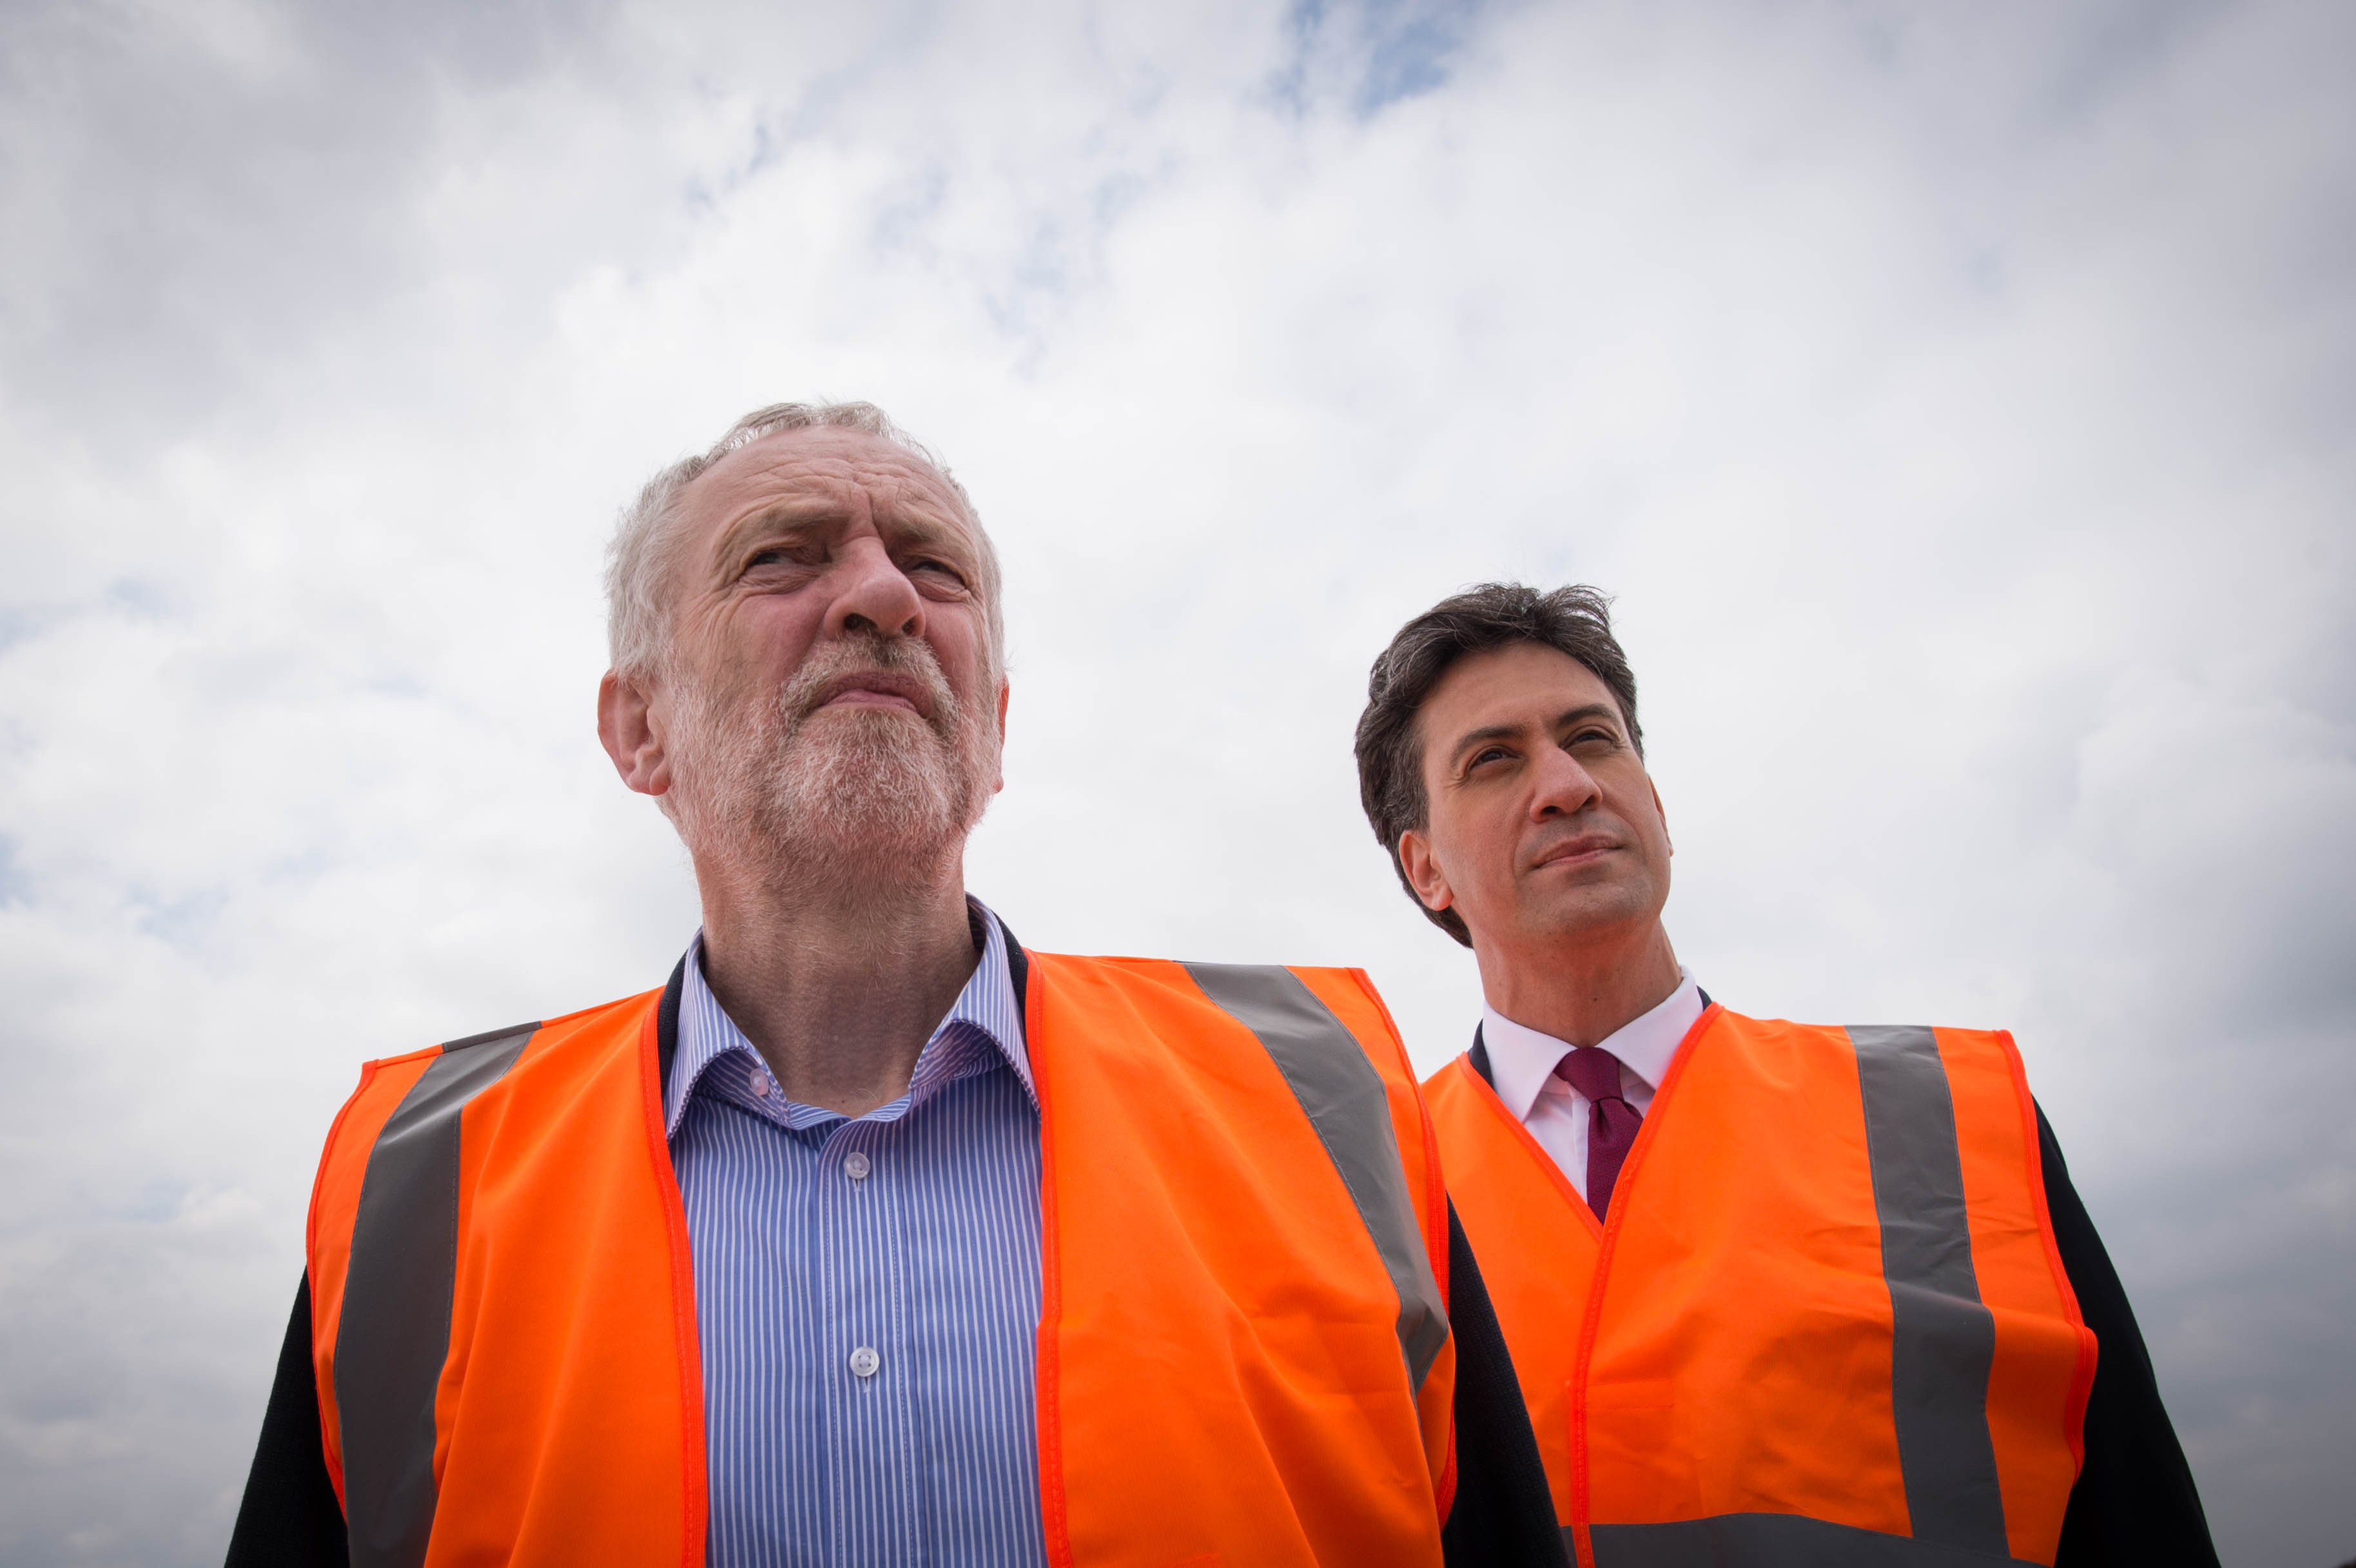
(1504, 1514)
(2135, 1501)
(290, 1518)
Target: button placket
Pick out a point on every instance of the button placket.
(870, 1416)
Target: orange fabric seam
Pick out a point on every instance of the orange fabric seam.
(2082, 1386)
(1435, 1182)
(1488, 1096)
(1052, 1517)
(310, 1250)
(1435, 1204)
(1629, 1172)
(692, 1484)
(311, 1216)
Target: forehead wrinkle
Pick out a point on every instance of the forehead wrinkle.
(814, 508)
(921, 506)
(828, 508)
(912, 506)
(871, 464)
(890, 479)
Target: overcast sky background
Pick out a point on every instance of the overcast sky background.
(1957, 398)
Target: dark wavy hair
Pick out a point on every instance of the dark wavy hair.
(1574, 620)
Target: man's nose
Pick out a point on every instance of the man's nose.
(1564, 787)
(872, 594)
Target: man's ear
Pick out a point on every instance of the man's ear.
(999, 783)
(630, 734)
(1422, 869)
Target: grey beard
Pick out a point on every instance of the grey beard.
(842, 798)
(876, 788)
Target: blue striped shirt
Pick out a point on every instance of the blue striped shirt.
(867, 1294)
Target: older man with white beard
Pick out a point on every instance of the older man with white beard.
(872, 1237)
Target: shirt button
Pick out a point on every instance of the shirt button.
(864, 1360)
(761, 1083)
(854, 1165)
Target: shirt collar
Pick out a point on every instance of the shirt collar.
(1522, 1059)
(707, 1033)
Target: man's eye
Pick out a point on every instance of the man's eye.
(784, 557)
(1490, 754)
(937, 568)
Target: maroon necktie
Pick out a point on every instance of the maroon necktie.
(1611, 1122)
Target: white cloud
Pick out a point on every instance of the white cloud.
(1954, 400)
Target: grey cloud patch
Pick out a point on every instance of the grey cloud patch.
(15, 886)
(2111, 43)
(192, 195)
(2246, 1303)
(1381, 52)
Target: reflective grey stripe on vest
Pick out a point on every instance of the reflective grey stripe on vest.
(1942, 1337)
(1770, 1541)
(1344, 1098)
(395, 1332)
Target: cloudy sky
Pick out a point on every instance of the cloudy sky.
(1956, 399)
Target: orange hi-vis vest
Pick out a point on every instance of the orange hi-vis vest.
(1824, 1322)
(1243, 1352)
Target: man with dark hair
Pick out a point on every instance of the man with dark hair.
(1777, 1294)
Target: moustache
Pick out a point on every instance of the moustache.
(908, 660)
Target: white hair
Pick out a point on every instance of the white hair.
(645, 548)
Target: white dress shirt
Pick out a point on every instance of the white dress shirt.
(1556, 1115)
